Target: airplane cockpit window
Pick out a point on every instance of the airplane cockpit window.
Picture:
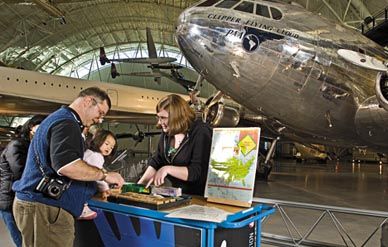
(262, 10)
(245, 7)
(227, 4)
(276, 14)
(207, 3)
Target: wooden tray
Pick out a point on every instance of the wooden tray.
(149, 201)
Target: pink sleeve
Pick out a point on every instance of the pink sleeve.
(94, 158)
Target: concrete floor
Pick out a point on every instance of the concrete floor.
(362, 186)
(343, 184)
(5, 239)
(359, 186)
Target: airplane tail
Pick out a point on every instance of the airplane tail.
(103, 58)
(113, 71)
(150, 44)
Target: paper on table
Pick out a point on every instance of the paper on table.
(196, 212)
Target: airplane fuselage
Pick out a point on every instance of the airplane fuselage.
(25, 92)
(288, 69)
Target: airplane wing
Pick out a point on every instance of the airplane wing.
(156, 73)
(175, 76)
(144, 60)
(142, 74)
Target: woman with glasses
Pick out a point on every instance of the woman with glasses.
(183, 150)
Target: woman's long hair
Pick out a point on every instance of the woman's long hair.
(27, 126)
(180, 115)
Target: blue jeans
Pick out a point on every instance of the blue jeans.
(12, 228)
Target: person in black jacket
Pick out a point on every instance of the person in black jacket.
(183, 151)
(12, 162)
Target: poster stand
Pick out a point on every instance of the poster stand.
(232, 166)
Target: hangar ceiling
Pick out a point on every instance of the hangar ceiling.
(45, 35)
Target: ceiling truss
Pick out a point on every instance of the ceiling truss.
(40, 34)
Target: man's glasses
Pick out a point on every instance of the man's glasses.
(100, 112)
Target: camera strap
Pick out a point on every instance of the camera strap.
(37, 160)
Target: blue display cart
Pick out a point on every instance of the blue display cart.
(123, 225)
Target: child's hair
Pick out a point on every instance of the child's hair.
(99, 138)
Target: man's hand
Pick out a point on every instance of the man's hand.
(115, 178)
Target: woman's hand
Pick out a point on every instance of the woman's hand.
(161, 174)
(148, 176)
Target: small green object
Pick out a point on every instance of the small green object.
(137, 188)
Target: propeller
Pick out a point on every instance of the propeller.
(113, 71)
(103, 58)
(218, 97)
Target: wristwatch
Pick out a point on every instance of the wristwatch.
(104, 174)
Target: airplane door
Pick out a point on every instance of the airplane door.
(114, 96)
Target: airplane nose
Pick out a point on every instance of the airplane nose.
(219, 55)
(182, 18)
(188, 36)
(181, 27)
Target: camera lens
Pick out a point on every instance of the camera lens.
(54, 190)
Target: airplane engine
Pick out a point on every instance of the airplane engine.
(382, 89)
(371, 121)
(220, 114)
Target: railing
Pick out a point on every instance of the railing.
(302, 224)
(371, 22)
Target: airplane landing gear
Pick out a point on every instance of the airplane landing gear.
(263, 169)
(265, 163)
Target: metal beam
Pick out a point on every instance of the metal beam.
(362, 10)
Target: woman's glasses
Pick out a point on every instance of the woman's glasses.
(162, 119)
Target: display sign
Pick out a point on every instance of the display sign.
(232, 166)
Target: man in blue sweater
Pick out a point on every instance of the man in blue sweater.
(56, 181)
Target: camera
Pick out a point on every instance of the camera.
(52, 187)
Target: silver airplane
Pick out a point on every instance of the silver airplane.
(312, 80)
